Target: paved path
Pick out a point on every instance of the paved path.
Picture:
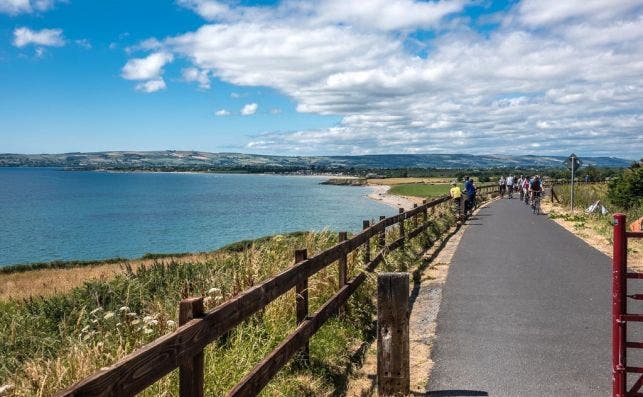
(525, 311)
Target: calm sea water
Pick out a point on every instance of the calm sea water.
(49, 214)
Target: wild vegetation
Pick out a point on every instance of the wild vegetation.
(49, 343)
(624, 193)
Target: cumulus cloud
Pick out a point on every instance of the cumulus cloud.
(46, 37)
(221, 113)
(149, 68)
(146, 68)
(14, 7)
(149, 86)
(554, 75)
(249, 109)
(195, 75)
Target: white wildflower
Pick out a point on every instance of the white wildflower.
(132, 314)
(108, 315)
(147, 319)
(5, 389)
(170, 323)
(213, 291)
(98, 309)
(135, 322)
(153, 322)
(207, 300)
(147, 330)
(123, 309)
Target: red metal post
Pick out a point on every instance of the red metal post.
(619, 291)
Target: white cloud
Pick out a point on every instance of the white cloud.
(150, 67)
(562, 74)
(222, 112)
(45, 37)
(197, 76)
(149, 86)
(249, 109)
(14, 7)
(84, 43)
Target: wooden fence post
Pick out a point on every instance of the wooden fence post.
(425, 213)
(301, 291)
(414, 218)
(367, 245)
(342, 265)
(393, 373)
(381, 242)
(402, 225)
(191, 371)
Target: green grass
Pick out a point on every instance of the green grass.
(421, 190)
(49, 343)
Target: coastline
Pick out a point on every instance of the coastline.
(380, 193)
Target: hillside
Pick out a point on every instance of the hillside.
(206, 160)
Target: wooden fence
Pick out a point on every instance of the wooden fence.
(183, 348)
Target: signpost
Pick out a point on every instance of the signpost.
(573, 163)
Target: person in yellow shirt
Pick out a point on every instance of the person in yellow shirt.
(456, 196)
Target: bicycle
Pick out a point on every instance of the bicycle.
(535, 203)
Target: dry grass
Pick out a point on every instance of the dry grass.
(595, 230)
(49, 282)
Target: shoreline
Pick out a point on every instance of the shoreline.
(381, 193)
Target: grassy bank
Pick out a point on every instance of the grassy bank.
(420, 190)
(595, 228)
(50, 342)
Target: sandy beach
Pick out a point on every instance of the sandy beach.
(380, 193)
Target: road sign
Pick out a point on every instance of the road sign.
(573, 162)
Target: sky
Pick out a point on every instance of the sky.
(326, 77)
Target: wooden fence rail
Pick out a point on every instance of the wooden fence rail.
(184, 347)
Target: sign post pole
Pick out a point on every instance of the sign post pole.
(572, 189)
(573, 163)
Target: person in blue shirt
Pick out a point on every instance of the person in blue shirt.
(470, 192)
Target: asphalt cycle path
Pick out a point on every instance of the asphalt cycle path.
(525, 311)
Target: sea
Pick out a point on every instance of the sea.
(49, 214)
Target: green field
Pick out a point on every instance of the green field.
(421, 190)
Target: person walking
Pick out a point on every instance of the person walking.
(501, 186)
(456, 196)
(469, 191)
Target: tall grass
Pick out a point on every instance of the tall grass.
(49, 343)
(586, 195)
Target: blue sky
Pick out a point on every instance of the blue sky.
(326, 77)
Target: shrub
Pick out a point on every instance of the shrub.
(626, 190)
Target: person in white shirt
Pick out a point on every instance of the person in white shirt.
(510, 186)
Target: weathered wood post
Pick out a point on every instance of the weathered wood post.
(381, 242)
(401, 210)
(414, 218)
(393, 373)
(425, 213)
(367, 245)
(302, 301)
(191, 371)
(342, 267)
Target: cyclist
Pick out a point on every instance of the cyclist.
(525, 189)
(519, 187)
(536, 188)
(510, 186)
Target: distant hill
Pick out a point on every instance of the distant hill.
(171, 159)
